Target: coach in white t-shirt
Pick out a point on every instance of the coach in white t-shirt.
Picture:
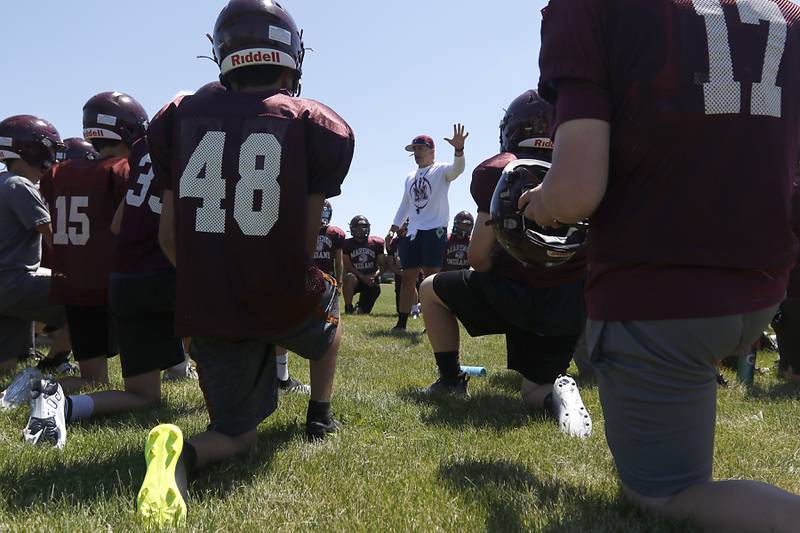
(427, 209)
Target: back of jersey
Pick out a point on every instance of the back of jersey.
(82, 196)
(242, 166)
(703, 97)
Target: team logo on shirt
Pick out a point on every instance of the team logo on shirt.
(421, 192)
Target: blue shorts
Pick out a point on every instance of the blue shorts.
(426, 249)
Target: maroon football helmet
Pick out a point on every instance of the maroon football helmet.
(257, 32)
(77, 148)
(521, 237)
(32, 139)
(327, 213)
(114, 116)
(526, 123)
(360, 227)
(463, 224)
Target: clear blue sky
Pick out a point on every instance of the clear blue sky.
(392, 69)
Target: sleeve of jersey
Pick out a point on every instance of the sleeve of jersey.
(484, 181)
(159, 139)
(330, 145)
(28, 205)
(573, 60)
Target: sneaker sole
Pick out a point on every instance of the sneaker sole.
(159, 502)
(576, 420)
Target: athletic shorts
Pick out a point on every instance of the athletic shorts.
(90, 331)
(368, 296)
(143, 309)
(658, 389)
(542, 326)
(426, 249)
(238, 376)
(787, 328)
(24, 301)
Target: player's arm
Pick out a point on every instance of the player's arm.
(166, 226)
(338, 266)
(482, 244)
(314, 206)
(348, 266)
(116, 222)
(577, 180)
(46, 231)
(399, 217)
(381, 262)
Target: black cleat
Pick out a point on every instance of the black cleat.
(318, 430)
(456, 386)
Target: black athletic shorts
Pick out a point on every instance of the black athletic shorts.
(91, 331)
(542, 326)
(238, 376)
(368, 296)
(143, 309)
(787, 328)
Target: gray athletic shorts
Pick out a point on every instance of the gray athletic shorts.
(658, 389)
(25, 300)
(238, 376)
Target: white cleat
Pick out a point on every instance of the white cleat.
(18, 392)
(47, 422)
(415, 311)
(572, 416)
(180, 372)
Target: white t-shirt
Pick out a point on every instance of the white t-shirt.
(425, 202)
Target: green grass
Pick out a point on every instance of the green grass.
(401, 462)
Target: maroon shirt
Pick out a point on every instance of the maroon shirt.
(704, 109)
(82, 196)
(455, 255)
(484, 181)
(242, 166)
(794, 281)
(329, 241)
(364, 254)
(137, 249)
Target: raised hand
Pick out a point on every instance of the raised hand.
(459, 137)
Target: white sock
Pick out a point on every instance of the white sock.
(82, 407)
(282, 364)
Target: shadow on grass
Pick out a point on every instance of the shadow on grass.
(504, 489)
(485, 409)
(98, 479)
(412, 337)
(779, 392)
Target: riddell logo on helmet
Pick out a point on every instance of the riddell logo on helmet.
(255, 58)
(91, 133)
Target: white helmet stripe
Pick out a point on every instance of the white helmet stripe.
(6, 154)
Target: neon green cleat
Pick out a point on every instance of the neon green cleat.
(161, 501)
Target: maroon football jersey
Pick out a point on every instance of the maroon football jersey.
(794, 281)
(82, 196)
(455, 255)
(364, 254)
(137, 243)
(329, 241)
(484, 181)
(703, 98)
(242, 166)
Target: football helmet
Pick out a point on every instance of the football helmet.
(327, 213)
(114, 116)
(463, 224)
(359, 227)
(77, 148)
(32, 139)
(526, 123)
(257, 32)
(521, 237)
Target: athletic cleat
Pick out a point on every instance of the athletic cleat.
(291, 385)
(572, 416)
(161, 501)
(416, 310)
(349, 309)
(18, 392)
(180, 372)
(317, 430)
(47, 422)
(399, 329)
(456, 386)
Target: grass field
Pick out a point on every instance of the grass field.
(401, 463)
